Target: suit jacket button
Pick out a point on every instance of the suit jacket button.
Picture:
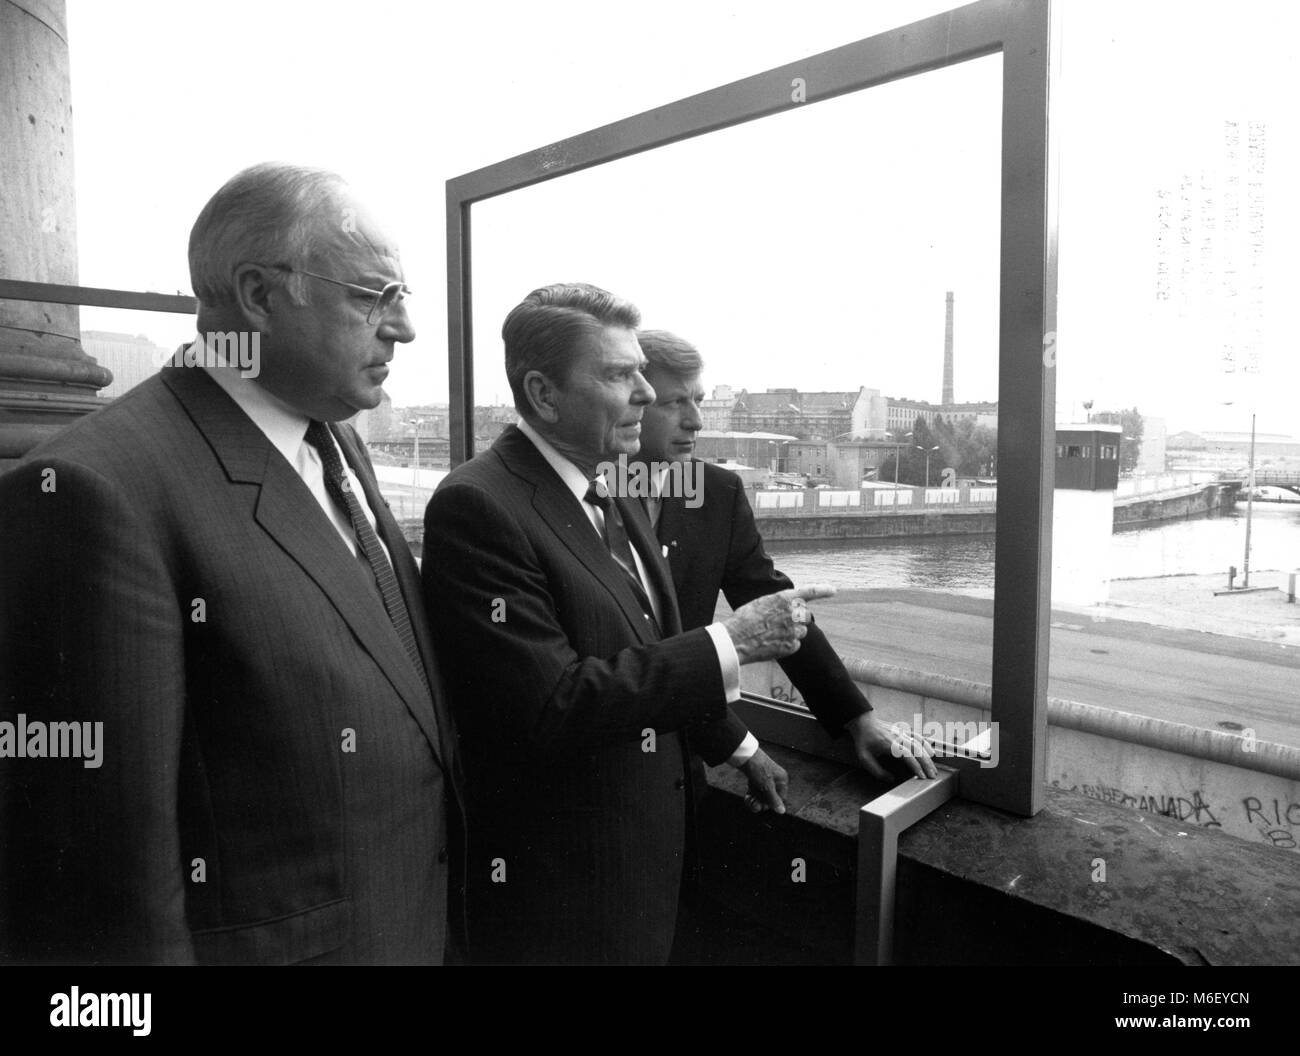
(442, 855)
(679, 784)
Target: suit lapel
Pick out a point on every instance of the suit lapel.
(408, 580)
(288, 512)
(564, 515)
(638, 530)
(668, 529)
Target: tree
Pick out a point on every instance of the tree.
(968, 449)
(1130, 445)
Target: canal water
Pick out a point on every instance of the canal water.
(964, 564)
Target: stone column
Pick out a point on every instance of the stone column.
(46, 379)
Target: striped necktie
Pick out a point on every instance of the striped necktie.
(616, 539)
(318, 435)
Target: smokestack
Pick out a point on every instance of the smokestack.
(947, 355)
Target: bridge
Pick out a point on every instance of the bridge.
(1268, 478)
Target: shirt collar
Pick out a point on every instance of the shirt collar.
(657, 481)
(282, 425)
(574, 479)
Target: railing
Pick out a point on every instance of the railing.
(1267, 478)
(1132, 486)
(818, 501)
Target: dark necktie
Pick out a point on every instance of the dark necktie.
(318, 435)
(616, 539)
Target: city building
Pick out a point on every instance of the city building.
(756, 449)
(904, 412)
(1228, 451)
(1153, 451)
(377, 423)
(810, 415)
(433, 420)
(130, 357)
(715, 412)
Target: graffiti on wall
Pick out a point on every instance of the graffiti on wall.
(1273, 820)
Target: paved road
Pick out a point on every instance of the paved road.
(1185, 676)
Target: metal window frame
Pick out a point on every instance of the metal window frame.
(97, 297)
(1025, 34)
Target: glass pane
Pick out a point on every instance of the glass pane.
(1170, 591)
(813, 258)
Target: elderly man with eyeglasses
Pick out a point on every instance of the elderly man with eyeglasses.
(205, 574)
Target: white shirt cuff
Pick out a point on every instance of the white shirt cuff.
(728, 660)
(745, 752)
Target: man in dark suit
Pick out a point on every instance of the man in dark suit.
(205, 574)
(713, 546)
(568, 672)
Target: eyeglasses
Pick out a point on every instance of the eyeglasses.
(391, 294)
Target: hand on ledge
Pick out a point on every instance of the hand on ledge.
(873, 739)
(768, 783)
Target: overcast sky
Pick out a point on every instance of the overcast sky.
(811, 249)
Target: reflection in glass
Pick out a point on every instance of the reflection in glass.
(837, 266)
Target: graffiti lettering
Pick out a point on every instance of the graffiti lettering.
(1180, 808)
(789, 696)
(1290, 816)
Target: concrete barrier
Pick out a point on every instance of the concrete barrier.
(1201, 777)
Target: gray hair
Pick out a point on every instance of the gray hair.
(544, 330)
(670, 353)
(268, 214)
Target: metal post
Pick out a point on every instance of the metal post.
(880, 823)
(415, 469)
(1250, 504)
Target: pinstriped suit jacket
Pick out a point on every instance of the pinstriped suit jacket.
(275, 780)
(560, 686)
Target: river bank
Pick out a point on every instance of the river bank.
(1196, 603)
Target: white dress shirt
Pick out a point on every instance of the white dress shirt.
(286, 429)
(577, 483)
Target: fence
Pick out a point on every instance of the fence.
(813, 501)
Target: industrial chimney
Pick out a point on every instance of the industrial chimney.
(947, 355)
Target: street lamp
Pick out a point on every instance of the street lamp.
(897, 448)
(415, 471)
(928, 452)
(1250, 504)
(1250, 500)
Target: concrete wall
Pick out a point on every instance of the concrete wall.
(1195, 502)
(1212, 780)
